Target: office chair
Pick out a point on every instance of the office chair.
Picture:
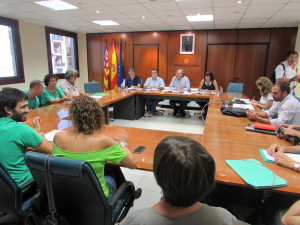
(235, 87)
(77, 192)
(13, 199)
(92, 87)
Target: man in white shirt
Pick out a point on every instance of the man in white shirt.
(153, 82)
(287, 71)
(287, 111)
(179, 83)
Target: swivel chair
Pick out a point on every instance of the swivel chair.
(77, 192)
(235, 88)
(14, 201)
(92, 87)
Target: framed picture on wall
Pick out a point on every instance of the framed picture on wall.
(187, 43)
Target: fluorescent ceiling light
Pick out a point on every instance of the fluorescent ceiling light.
(105, 22)
(56, 5)
(200, 18)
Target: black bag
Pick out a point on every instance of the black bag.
(230, 111)
(273, 76)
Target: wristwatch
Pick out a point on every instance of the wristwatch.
(125, 144)
(296, 166)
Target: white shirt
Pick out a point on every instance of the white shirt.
(66, 86)
(159, 82)
(289, 72)
(264, 99)
(183, 83)
(285, 112)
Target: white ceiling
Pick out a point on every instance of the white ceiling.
(160, 14)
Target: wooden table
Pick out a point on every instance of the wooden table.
(224, 137)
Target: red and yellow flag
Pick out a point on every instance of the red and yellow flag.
(114, 69)
(106, 68)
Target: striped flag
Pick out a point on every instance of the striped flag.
(114, 69)
(120, 69)
(106, 68)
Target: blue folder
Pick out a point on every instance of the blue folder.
(256, 174)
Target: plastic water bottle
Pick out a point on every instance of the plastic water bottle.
(126, 89)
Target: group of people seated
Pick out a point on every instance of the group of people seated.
(182, 167)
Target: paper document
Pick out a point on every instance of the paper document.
(249, 107)
(49, 136)
(246, 100)
(96, 97)
(295, 157)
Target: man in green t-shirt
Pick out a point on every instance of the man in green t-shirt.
(36, 89)
(16, 137)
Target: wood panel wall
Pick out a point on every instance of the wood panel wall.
(279, 42)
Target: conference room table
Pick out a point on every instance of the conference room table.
(224, 137)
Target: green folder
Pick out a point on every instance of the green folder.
(256, 174)
(100, 94)
(264, 157)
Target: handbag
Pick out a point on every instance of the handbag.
(293, 139)
(230, 111)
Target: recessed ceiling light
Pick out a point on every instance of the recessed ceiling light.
(97, 11)
(105, 22)
(56, 5)
(199, 17)
(239, 2)
(143, 17)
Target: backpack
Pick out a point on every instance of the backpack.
(273, 76)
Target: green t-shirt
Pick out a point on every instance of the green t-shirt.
(48, 95)
(97, 160)
(33, 103)
(14, 139)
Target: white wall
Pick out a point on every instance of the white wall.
(34, 51)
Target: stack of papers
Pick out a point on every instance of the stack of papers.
(248, 107)
(256, 174)
(269, 158)
(96, 97)
(50, 136)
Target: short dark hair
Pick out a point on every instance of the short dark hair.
(155, 70)
(9, 97)
(48, 77)
(35, 83)
(184, 170)
(292, 52)
(210, 74)
(284, 86)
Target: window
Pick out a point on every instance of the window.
(11, 62)
(62, 51)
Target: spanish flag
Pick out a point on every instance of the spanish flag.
(106, 68)
(114, 69)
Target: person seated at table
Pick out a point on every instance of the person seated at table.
(68, 85)
(292, 130)
(86, 141)
(282, 159)
(133, 81)
(286, 111)
(153, 82)
(179, 82)
(16, 137)
(185, 172)
(292, 216)
(208, 83)
(264, 85)
(51, 93)
(36, 89)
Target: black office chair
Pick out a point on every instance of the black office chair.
(77, 192)
(92, 87)
(13, 199)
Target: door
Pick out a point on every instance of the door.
(145, 58)
(250, 65)
(221, 61)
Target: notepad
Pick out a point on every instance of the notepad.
(256, 174)
(269, 158)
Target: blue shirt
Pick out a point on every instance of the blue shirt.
(159, 82)
(137, 80)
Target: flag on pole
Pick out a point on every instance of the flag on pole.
(106, 68)
(120, 69)
(114, 69)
